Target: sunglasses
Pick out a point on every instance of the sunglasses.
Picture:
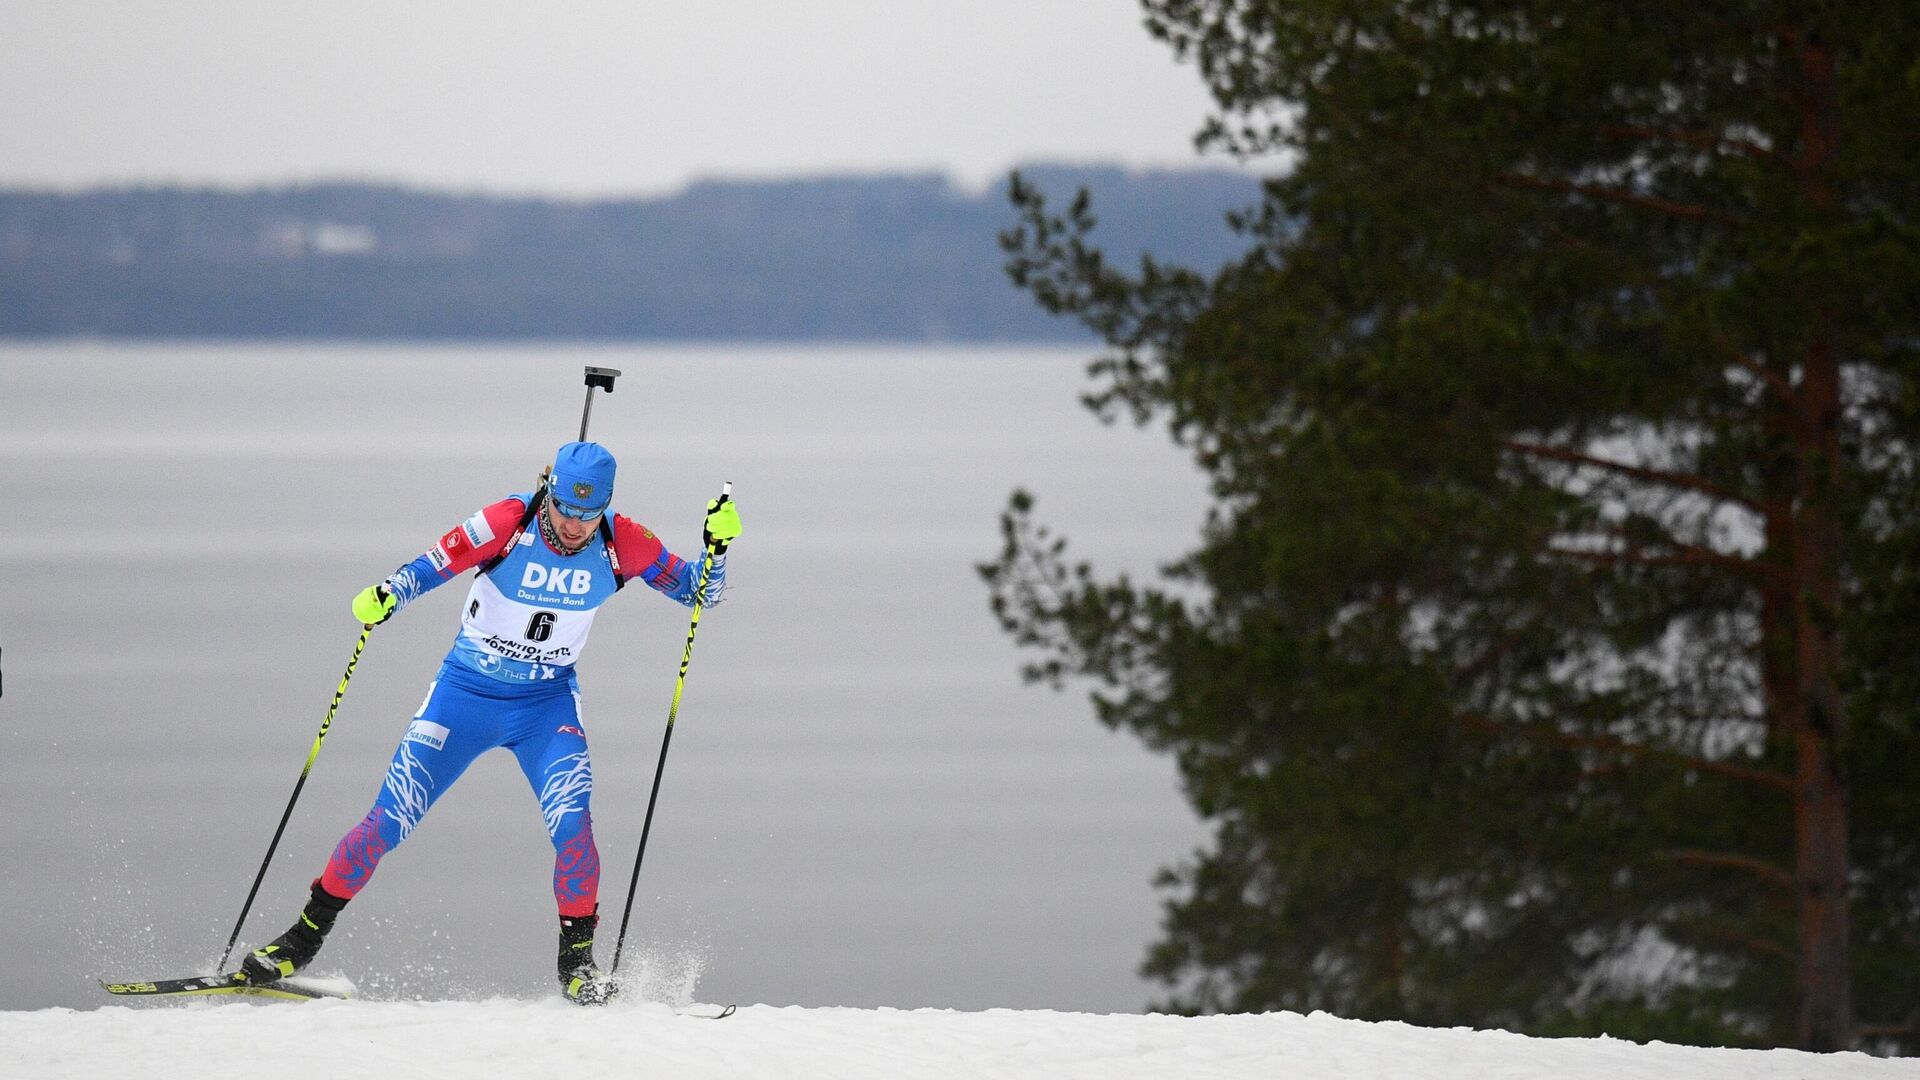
(578, 513)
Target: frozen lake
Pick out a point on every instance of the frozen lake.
(863, 805)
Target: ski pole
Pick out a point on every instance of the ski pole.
(673, 711)
(312, 754)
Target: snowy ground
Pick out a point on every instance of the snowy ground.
(425, 1040)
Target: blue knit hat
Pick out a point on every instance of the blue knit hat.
(583, 476)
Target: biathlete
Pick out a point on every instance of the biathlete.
(547, 561)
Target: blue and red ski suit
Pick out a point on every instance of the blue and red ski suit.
(509, 682)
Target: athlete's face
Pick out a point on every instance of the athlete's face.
(572, 532)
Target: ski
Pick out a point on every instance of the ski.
(721, 1015)
(292, 988)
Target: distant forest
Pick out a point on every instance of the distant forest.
(885, 258)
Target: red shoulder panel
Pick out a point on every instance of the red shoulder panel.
(635, 545)
(476, 539)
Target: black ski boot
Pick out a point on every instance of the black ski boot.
(295, 949)
(580, 979)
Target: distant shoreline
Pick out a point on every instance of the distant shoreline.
(886, 259)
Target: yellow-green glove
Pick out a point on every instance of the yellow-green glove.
(723, 525)
(374, 605)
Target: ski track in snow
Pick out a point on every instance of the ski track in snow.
(326, 1040)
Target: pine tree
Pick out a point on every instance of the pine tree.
(1544, 663)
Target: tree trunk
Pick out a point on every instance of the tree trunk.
(1819, 723)
(1820, 825)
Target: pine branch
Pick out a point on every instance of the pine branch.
(1767, 872)
(1621, 197)
(1765, 946)
(1613, 744)
(1685, 555)
(1711, 141)
(1887, 1031)
(1524, 630)
(1683, 481)
(1737, 356)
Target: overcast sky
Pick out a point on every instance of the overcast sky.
(580, 97)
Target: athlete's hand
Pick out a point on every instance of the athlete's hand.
(374, 605)
(723, 525)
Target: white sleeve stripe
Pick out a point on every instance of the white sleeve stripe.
(478, 531)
